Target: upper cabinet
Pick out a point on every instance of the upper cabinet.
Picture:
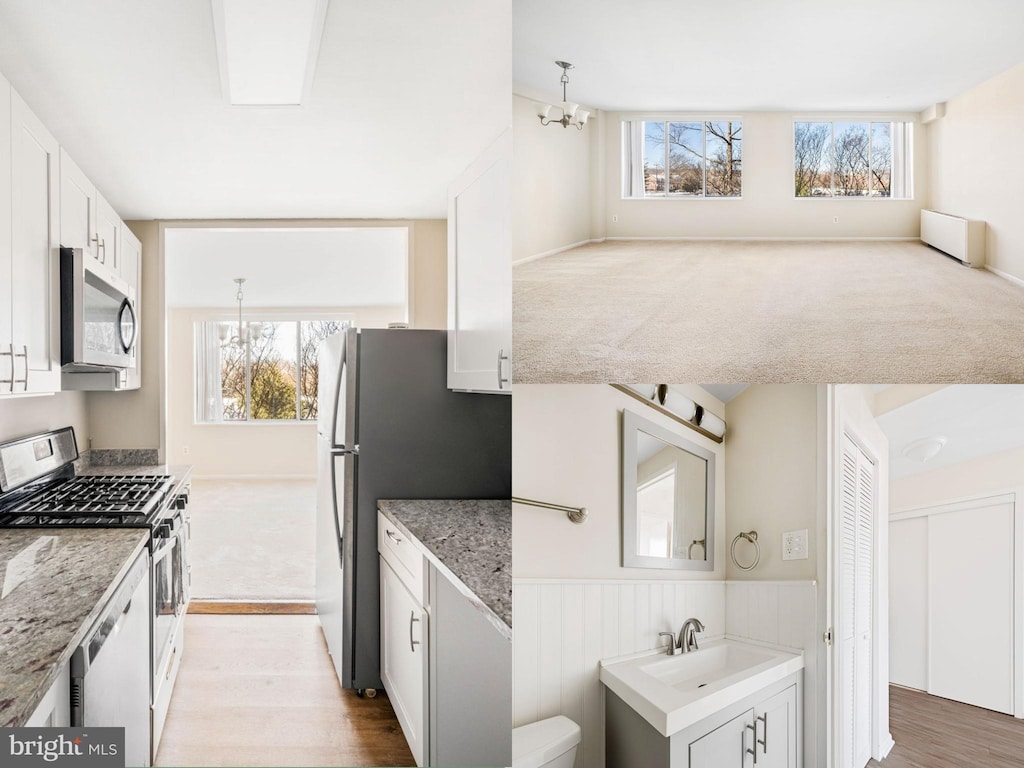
(30, 295)
(130, 257)
(79, 208)
(108, 235)
(480, 273)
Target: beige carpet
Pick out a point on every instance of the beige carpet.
(867, 312)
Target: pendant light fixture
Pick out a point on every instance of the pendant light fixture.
(247, 332)
(571, 113)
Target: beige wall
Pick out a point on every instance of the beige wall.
(132, 419)
(995, 473)
(215, 450)
(136, 419)
(552, 181)
(767, 208)
(977, 163)
(20, 416)
(772, 484)
(566, 449)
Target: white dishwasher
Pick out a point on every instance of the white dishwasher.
(110, 675)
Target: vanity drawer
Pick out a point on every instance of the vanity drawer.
(403, 556)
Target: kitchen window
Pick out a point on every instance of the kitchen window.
(853, 159)
(682, 159)
(273, 377)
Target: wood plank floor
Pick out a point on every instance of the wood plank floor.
(261, 691)
(937, 733)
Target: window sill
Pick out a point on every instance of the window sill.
(678, 197)
(858, 198)
(258, 423)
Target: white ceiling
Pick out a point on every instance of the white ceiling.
(724, 392)
(976, 420)
(406, 95)
(353, 267)
(755, 55)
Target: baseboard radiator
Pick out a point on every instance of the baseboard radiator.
(963, 239)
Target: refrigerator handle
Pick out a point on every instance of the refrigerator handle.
(337, 525)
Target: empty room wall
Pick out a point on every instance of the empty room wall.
(552, 180)
(992, 474)
(768, 208)
(977, 161)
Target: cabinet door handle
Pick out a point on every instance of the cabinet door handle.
(501, 379)
(392, 536)
(412, 620)
(763, 742)
(23, 355)
(9, 353)
(746, 749)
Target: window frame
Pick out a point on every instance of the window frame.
(679, 118)
(262, 316)
(832, 119)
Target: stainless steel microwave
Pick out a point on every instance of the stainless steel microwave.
(98, 323)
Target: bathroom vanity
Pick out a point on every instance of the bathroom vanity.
(727, 705)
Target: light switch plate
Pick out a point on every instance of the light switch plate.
(794, 545)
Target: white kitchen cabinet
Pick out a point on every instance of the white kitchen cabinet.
(727, 746)
(108, 231)
(480, 273)
(130, 254)
(54, 711)
(6, 234)
(79, 208)
(404, 648)
(33, 346)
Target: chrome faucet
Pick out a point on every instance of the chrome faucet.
(688, 635)
(671, 649)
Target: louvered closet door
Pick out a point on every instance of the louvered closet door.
(854, 630)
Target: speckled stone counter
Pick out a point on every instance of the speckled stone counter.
(54, 582)
(470, 542)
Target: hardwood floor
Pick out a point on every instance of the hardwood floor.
(937, 733)
(261, 691)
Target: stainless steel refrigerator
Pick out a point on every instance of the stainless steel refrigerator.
(389, 427)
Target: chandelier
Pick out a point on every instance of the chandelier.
(571, 113)
(248, 333)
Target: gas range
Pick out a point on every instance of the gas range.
(39, 487)
(108, 501)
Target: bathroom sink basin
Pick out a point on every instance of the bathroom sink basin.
(673, 692)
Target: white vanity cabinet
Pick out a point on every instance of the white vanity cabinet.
(480, 273)
(768, 721)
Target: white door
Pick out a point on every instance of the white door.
(728, 746)
(970, 605)
(480, 273)
(855, 542)
(908, 602)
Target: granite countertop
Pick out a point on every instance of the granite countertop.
(54, 582)
(469, 541)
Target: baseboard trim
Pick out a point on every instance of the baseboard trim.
(780, 239)
(1005, 275)
(553, 251)
(252, 607)
(253, 477)
(887, 744)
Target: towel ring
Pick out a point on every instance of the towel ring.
(695, 543)
(752, 538)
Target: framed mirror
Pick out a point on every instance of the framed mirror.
(668, 498)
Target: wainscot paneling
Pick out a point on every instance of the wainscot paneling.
(563, 628)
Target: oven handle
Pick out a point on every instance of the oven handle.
(165, 550)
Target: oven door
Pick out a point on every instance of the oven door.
(168, 596)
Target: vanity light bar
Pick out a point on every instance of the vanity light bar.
(677, 407)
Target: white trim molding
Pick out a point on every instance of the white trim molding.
(553, 251)
(1005, 275)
